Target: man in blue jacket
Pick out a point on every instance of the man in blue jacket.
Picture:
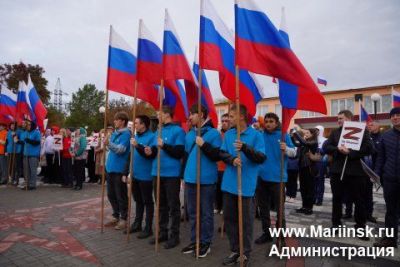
(31, 153)
(209, 144)
(14, 150)
(251, 147)
(142, 178)
(117, 167)
(387, 166)
(172, 149)
(268, 187)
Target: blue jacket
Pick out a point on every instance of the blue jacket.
(11, 146)
(208, 165)
(142, 163)
(32, 142)
(271, 169)
(252, 155)
(119, 148)
(174, 141)
(387, 164)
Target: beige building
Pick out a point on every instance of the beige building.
(335, 101)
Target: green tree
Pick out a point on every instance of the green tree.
(122, 104)
(12, 74)
(84, 108)
(55, 117)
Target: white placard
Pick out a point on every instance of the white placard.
(95, 140)
(89, 141)
(352, 135)
(58, 142)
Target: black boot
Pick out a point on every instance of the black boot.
(147, 232)
(135, 227)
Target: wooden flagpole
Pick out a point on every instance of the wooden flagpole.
(280, 239)
(130, 180)
(198, 167)
(239, 168)
(104, 154)
(161, 96)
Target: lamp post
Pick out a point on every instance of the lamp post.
(375, 97)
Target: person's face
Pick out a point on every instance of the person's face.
(373, 127)
(194, 119)
(256, 125)
(270, 124)
(2, 127)
(341, 119)
(28, 125)
(139, 126)
(53, 132)
(307, 134)
(118, 123)
(12, 127)
(225, 123)
(395, 119)
(23, 125)
(232, 118)
(68, 132)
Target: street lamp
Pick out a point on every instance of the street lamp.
(375, 97)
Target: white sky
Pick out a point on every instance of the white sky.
(351, 43)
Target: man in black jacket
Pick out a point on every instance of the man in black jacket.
(354, 177)
(387, 166)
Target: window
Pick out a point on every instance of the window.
(262, 110)
(341, 104)
(278, 110)
(310, 114)
(220, 112)
(382, 106)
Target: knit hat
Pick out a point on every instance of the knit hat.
(394, 111)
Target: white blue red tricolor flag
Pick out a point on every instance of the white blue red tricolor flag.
(261, 48)
(322, 81)
(8, 105)
(364, 116)
(396, 98)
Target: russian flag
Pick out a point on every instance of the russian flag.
(396, 98)
(364, 116)
(175, 97)
(322, 81)
(206, 97)
(8, 104)
(217, 53)
(260, 48)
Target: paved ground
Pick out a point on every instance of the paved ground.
(53, 226)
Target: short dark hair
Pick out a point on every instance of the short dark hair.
(169, 110)
(225, 115)
(271, 115)
(145, 120)
(194, 109)
(242, 110)
(123, 116)
(347, 113)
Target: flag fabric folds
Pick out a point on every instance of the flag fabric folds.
(260, 48)
(396, 98)
(364, 116)
(322, 81)
(8, 105)
(217, 53)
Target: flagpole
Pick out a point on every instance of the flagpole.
(239, 168)
(130, 180)
(104, 154)
(161, 95)
(198, 169)
(280, 238)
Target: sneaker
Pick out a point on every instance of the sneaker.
(147, 232)
(300, 210)
(112, 222)
(231, 259)
(264, 238)
(318, 203)
(386, 242)
(308, 212)
(204, 250)
(121, 225)
(135, 227)
(371, 219)
(189, 249)
(216, 211)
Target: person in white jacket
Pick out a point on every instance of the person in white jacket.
(48, 150)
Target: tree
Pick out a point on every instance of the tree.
(122, 104)
(11, 75)
(84, 108)
(55, 117)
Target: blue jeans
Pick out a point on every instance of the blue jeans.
(30, 166)
(207, 197)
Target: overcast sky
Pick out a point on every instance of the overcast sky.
(351, 43)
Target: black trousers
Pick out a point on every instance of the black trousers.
(170, 205)
(66, 164)
(291, 185)
(354, 184)
(369, 197)
(143, 196)
(307, 188)
(231, 219)
(391, 193)
(218, 192)
(117, 194)
(91, 166)
(268, 193)
(49, 174)
(79, 172)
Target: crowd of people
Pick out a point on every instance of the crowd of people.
(267, 158)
